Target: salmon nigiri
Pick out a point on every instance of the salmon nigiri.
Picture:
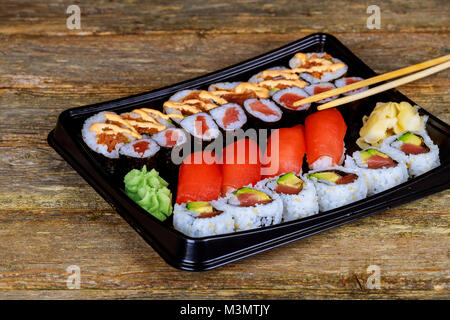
(324, 134)
(285, 151)
(199, 178)
(241, 165)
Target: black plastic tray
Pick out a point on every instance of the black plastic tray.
(193, 254)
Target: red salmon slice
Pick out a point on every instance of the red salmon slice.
(324, 135)
(287, 189)
(318, 89)
(289, 149)
(250, 200)
(231, 116)
(288, 100)
(241, 164)
(200, 125)
(141, 146)
(199, 181)
(260, 107)
(378, 162)
(171, 138)
(347, 179)
(409, 148)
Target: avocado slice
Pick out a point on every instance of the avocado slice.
(326, 175)
(200, 206)
(291, 180)
(366, 154)
(411, 138)
(261, 196)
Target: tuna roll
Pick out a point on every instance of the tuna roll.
(229, 116)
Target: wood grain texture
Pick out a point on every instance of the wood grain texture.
(51, 218)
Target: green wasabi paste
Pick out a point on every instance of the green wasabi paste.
(150, 191)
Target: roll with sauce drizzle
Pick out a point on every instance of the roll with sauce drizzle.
(317, 67)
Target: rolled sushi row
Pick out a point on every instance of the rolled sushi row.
(269, 202)
(227, 106)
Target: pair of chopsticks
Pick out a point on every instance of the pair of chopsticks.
(434, 65)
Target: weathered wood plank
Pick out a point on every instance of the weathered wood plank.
(401, 244)
(236, 17)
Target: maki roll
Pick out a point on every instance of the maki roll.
(170, 137)
(201, 219)
(288, 96)
(105, 136)
(170, 140)
(229, 116)
(263, 111)
(251, 208)
(416, 148)
(201, 125)
(342, 82)
(317, 67)
(136, 154)
(337, 186)
(324, 133)
(297, 193)
(380, 170)
(319, 88)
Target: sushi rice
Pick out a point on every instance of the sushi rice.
(417, 163)
(332, 195)
(295, 206)
(189, 223)
(379, 180)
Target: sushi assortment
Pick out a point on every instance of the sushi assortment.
(249, 184)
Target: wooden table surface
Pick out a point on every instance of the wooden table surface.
(50, 218)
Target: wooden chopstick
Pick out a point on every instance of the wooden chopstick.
(384, 87)
(374, 80)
